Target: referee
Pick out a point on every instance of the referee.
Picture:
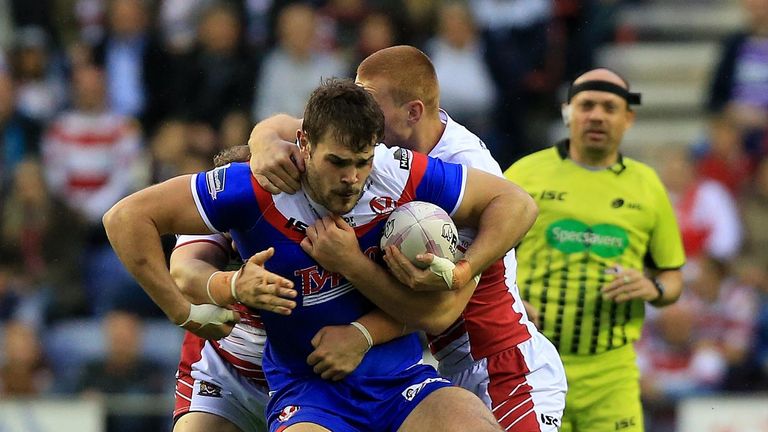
(605, 243)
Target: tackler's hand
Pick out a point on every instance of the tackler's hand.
(278, 166)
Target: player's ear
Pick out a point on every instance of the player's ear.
(415, 111)
(565, 111)
(303, 144)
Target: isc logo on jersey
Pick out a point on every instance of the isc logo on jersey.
(214, 180)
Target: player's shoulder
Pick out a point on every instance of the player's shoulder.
(235, 170)
(232, 179)
(458, 145)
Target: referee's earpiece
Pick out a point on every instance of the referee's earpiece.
(565, 111)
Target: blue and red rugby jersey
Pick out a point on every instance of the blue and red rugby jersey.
(230, 199)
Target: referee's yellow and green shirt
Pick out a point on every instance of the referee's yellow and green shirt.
(590, 220)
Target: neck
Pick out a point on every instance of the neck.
(314, 203)
(426, 137)
(593, 159)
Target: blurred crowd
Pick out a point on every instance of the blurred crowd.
(99, 98)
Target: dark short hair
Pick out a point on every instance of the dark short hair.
(239, 153)
(347, 111)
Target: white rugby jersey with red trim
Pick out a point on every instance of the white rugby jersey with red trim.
(494, 319)
(229, 199)
(243, 348)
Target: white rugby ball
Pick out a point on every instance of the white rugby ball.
(418, 227)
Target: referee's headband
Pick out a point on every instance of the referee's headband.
(604, 86)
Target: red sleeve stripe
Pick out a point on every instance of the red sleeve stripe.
(270, 213)
(419, 163)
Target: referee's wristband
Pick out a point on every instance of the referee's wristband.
(661, 289)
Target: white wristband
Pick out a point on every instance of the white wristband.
(443, 267)
(232, 284)
(208, 288)
(205, 314)
(365, 333)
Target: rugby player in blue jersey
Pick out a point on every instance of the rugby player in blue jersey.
(345, 173)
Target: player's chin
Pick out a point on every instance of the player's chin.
(343, 205)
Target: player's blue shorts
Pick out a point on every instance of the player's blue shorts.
(353, 404)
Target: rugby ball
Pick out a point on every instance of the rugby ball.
(418, 227)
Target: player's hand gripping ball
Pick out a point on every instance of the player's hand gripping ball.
(419, 227)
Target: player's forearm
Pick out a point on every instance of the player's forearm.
(502, 225)
(431, 311)
(280, 127)
(192, 278)
(136, 240)
(382, 326)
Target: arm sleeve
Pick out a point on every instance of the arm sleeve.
(440, 183)
(225, 198)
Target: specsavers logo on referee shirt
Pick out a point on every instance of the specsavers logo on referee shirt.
(571, 236)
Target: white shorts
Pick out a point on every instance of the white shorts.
(214, 386)
(524, 386)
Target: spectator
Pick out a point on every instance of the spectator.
(123, 371)
(739, 87)
(92, 157)
(38, 234)
(125, 54)
(672, 366)
(180, 148)
(19, 135)
(41, 87)
(706, 212)
(689, 349)
(724, 159)
(754, 207)
(759, 356)
(23, 372)
(515, 46)
(339, 23)
(466, 87)
(295, 66)
(219, 76)
(177, 21)
(377, 32)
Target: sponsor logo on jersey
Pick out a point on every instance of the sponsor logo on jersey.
(402, 156)
(296, 225)
(571, 236)
(287, 413)
(549, 420)
(620, 202)
(208, 389)
(315, 278)
(350, 220)
(551, 195)
(412, 391)
(625, 423)
(382, 205)
(214, 180)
